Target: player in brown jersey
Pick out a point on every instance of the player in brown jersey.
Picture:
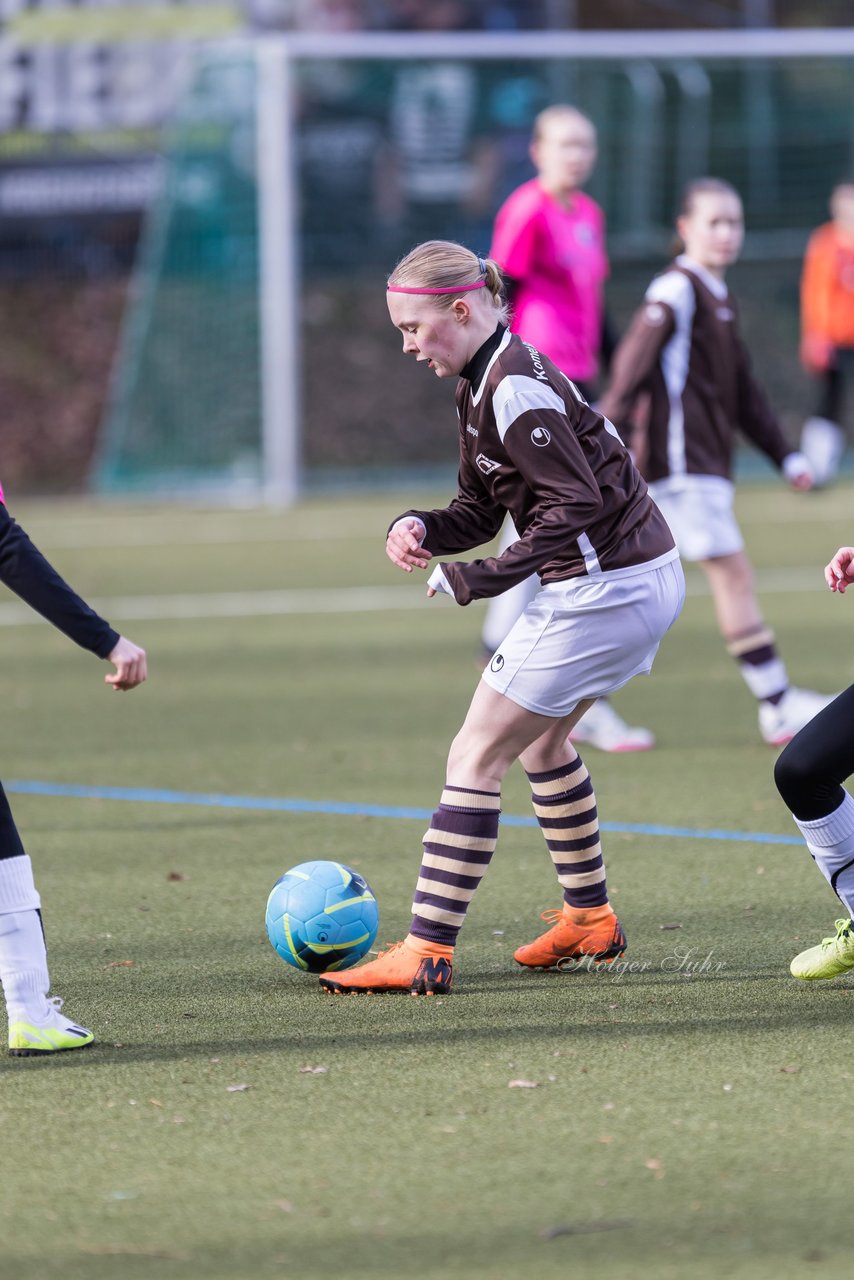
(612, 584)
(684, 355)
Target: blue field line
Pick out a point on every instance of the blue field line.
(282, 804)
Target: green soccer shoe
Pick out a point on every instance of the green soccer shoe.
(54, 1035)
(831, 957)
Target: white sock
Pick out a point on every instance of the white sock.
(17, 888)
(23, 956)
(830, 840)
(765, 680)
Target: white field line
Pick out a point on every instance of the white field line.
(222, 533)
(238, 604)
(281, 603)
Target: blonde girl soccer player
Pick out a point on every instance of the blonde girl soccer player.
(683, 350)
(36, 1025)
(549, 240)
(611, 581)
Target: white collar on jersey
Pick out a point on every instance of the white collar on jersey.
(503, 343)
(712, 283)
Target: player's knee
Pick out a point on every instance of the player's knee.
(461, 754)
(474, 756)
(796, 777)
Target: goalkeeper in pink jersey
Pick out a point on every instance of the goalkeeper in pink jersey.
(549, 239)
(36, 1026)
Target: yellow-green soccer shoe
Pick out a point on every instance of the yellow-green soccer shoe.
(831, 957)
(55, 1034)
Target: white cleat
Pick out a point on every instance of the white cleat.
(779, 723)
(601, 727)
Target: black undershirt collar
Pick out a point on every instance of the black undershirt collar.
(476, 367)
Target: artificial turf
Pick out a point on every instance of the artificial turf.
(683, 1113)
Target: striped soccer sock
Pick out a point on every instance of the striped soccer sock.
(565, 806)
(761, 666)
(458, 846)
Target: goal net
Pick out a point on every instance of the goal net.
(257, 359)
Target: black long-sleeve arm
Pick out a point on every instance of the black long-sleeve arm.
(25, 571)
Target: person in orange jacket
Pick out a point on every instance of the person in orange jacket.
(827, 330)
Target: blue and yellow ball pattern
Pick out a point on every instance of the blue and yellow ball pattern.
(321, 916)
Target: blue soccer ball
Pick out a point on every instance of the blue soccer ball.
(322, 916)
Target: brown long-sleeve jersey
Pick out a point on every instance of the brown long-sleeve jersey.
(683, 350)
(530, 445)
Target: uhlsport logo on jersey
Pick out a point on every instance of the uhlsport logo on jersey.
(486, 465)
(654, 313)
(497, 663)
(541, 437)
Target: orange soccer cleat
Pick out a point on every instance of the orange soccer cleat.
(577, 933)
(421, 968)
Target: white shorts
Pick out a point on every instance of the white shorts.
(502, 611)
(586, 637)
(699, 512)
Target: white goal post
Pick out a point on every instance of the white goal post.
(277, 59)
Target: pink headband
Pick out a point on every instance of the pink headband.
(457, 288)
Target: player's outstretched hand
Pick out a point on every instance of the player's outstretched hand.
(840, 572)
(403, 545)
(131, 665)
